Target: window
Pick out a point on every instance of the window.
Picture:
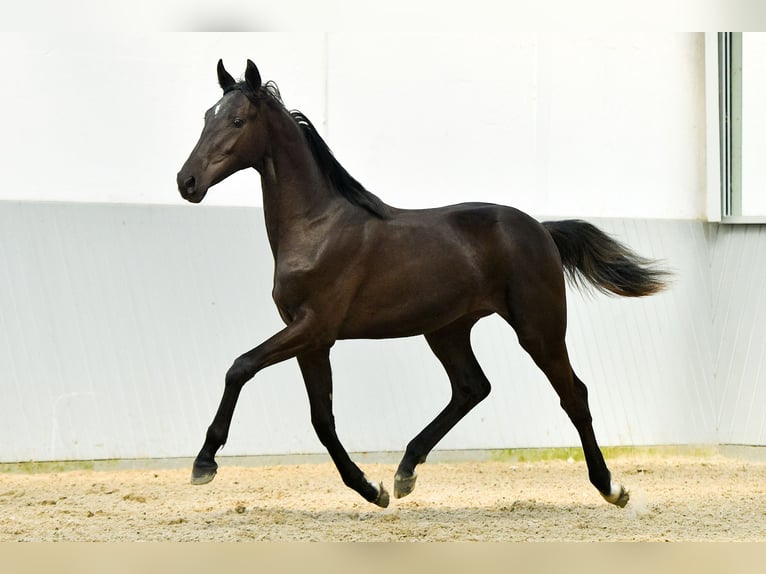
(741, 76)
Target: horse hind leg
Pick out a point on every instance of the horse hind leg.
(539, 318)
(452, 346)
(553, 360)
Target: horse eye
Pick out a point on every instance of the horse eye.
(238, 122)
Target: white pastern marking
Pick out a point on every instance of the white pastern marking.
(614, 495)
(374, 484)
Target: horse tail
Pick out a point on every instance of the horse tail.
(590, 257)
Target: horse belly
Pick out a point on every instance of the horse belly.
(407, 301)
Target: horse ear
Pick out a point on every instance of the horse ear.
(225, 79)
(252, 76)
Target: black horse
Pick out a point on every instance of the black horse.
(348, 266)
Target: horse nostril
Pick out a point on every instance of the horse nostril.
(186, 185)
(185, 182)
(189, 188)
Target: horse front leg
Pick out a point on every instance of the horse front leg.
(295, 338)
(317, 376)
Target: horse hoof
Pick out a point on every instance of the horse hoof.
(623, 499)
(383, 497)
(202, 474)
(403, 485)
(618, 496)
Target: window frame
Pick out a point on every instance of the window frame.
(723, 55)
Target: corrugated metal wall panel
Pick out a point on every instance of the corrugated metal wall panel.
(118, 324)
(112, 326)
(739, 314)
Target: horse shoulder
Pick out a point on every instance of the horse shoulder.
(318, 272)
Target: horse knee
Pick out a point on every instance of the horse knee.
(239, 373)
(324, 427)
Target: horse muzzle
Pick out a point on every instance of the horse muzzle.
(190, 191)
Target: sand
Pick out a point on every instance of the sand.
(674, 498)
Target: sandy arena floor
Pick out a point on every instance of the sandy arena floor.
(674, 498)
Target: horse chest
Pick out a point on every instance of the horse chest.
(291, 286)
(296, 282)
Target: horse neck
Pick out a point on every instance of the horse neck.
(296, 195)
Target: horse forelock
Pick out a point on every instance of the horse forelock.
(266, 91)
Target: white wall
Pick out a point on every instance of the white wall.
(598, 125)
(111, 118)
(575, 124)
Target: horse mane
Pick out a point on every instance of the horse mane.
(342, 181)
